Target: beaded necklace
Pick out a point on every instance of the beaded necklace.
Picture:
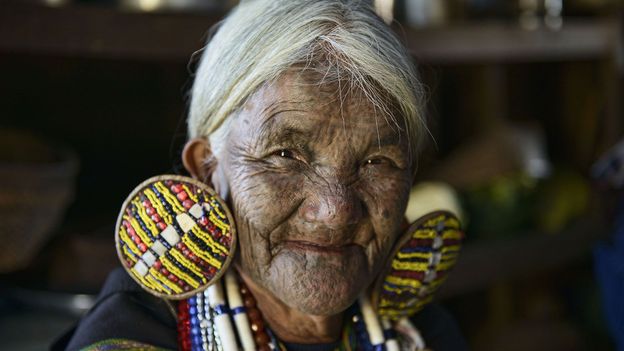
(210, 322)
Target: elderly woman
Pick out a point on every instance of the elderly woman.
(306, 117)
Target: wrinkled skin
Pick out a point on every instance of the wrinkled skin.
(318, 184)
(318, 189)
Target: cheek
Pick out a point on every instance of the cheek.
(261, 201)
(386, 197)
(263, 198)
(386, 200)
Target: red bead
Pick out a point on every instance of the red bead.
(150, 211)
(186, 345)
(142, 247)
(254, 314)
(182, 195)
(131, 231)
(188, 203)
(164, 271)
(157, 265)
(156, 218)
(249, 302)
(203, 221)
(136, 239)
(180, 245)
(257, 325)
(161, 225)
(147, 203)
(261, 338)
(176, 188)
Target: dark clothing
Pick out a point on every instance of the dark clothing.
(125, 311)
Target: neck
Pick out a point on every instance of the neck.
(291, 325)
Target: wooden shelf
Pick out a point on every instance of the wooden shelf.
(102, 32)
(99, 32)
(500, 42)
(482, 264)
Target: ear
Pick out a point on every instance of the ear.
(198, 159)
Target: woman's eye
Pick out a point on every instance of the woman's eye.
(285, 153)
(382, 162)
(376, 161)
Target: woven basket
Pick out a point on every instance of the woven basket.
(36, 185)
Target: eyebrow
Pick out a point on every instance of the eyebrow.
(288, 134)
(386, 140)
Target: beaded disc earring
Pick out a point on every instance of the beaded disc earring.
(175, 236)
(418, 265)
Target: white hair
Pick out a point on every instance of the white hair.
(262, 39)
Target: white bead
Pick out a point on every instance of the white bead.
(149, 258)
(140, 268)
(159, 248)
(196, 211)
(185, 222)
(434, 259)
(430, 276)
(437, 242)
(170, 235)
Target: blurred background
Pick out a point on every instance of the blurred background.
(524, 102)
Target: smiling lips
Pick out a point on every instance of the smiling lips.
(320, 248)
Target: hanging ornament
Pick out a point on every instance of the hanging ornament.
(175, 236)
(420, 262)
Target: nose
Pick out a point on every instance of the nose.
(336, 207)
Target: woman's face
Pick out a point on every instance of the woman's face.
(318, 185)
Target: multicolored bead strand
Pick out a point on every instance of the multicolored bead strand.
(184, 326)
(205, 324)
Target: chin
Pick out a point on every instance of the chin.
(318, 284)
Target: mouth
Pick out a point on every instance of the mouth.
(318, 247)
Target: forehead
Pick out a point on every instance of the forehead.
(304, 102)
